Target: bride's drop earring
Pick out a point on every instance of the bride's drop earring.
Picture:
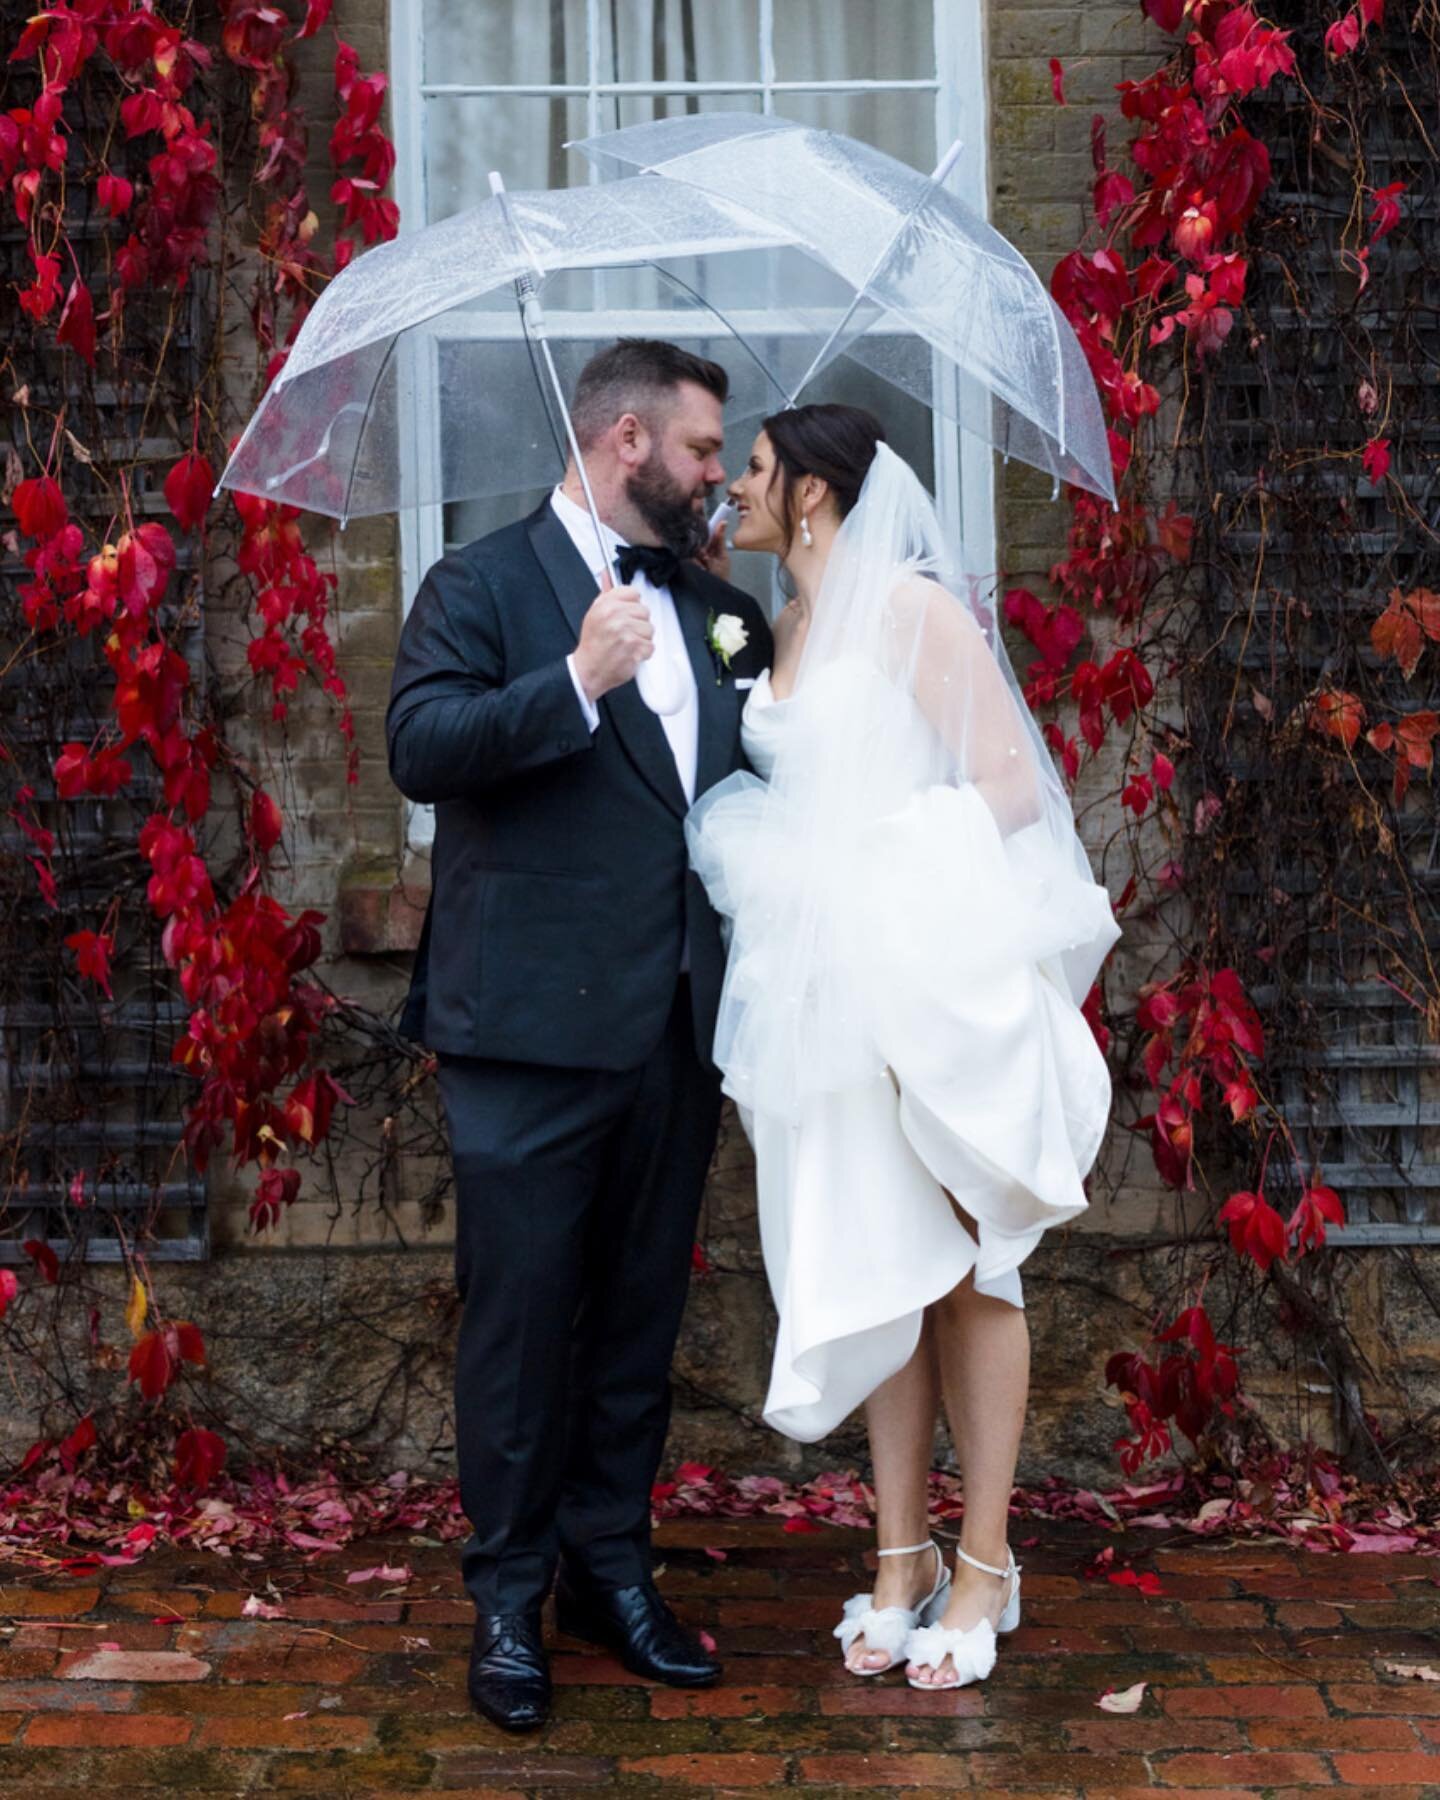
(805, 537)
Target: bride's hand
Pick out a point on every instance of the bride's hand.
(715, 557)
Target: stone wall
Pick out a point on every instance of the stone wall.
(339, 1322)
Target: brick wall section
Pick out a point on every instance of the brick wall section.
(1089, 1291)
(1041, 175)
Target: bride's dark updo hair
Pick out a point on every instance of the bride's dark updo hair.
(835, 442)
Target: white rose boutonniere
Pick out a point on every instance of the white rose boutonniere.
(727, 637)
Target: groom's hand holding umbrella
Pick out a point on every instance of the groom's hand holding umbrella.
(616, 636)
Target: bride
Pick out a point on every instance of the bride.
(912, 926)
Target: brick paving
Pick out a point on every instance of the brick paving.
(1267, 1672)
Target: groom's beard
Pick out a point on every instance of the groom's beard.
(669, 511)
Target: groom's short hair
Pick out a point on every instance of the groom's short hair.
(637, 375)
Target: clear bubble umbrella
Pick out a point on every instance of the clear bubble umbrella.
(774, 248)
(488, 317)
(432, 318)
(943, 306)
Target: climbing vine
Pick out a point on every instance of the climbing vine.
(1200, 275)
(140, 218)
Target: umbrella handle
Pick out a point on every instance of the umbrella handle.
(659, 684)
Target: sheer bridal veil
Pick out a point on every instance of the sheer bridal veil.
(913, 840)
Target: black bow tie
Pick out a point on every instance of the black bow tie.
(656, 562)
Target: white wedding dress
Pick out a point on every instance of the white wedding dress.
(900, 1016)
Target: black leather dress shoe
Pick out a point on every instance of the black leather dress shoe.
(640, 1628)
(509, 1676)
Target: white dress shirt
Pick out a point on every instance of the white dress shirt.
(681, 727)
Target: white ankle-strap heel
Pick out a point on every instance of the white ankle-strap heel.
(972, 1651)
(890, 1628)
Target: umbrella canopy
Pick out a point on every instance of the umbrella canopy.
(946, 309)
(434, 313)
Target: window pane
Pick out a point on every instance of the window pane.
(493, 46)
(521, 136)
(853, 40)
(902, 125)
(679, 40)
(908, 428)
(631, 109)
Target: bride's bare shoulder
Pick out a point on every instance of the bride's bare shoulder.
(919, 601)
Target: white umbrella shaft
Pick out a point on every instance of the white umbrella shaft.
(660, 685)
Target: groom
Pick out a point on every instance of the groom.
(568, 977)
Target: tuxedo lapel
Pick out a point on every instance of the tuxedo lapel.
(565, 568)
(637, 728)
(719, 700)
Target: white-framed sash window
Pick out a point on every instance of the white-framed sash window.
(493, 85)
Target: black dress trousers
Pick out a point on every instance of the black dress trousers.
(577, 1193)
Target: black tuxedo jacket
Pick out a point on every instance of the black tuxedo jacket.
(561, 897)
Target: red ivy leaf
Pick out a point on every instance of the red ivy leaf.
(1400, 631)
(1307, 1223)
(1385, 214)
(277, 1189)
(199, 1457)
(93, 951)
(71, 1448)
(1138, 793)
(1113, 192)
(114, 194)
(1175, 531)
(188, 488)
(1256, 1229)
(1376, 460)
(1094, 1012)
(316, 14)
(1343, 35)
(1414, 736)
(1057, 80)
(152, 1365)
(43, 1257)
(1338, 715)
(266, 823)
(1193, 1323)
(40, 507)
(77, 321)
(1194, 230)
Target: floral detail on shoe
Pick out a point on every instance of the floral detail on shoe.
(887, 1629)
(972, 1652)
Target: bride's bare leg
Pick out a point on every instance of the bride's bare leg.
(983, 1350)
(900, 1416)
